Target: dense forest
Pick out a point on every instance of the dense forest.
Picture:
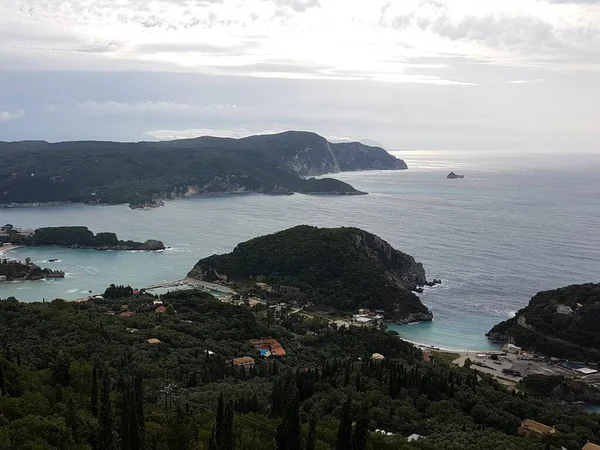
(346, 268)
(144, 172)
(115, 374)
(573, 334)
(76, 237)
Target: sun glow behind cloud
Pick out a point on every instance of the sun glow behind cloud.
(377, 39)
(491, 73)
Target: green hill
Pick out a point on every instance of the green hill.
(542, 328)
(346, 268)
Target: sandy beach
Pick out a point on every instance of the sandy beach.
(7, 248)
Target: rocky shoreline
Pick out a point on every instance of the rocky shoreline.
(73, 237)
(17, 271)
(415, 318)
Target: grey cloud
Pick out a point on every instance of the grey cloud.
(100, 47)
(521, 34)
(153, 22)
(199, 47)
(7, 116)
(299, 5)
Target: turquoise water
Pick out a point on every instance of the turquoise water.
(515, 225)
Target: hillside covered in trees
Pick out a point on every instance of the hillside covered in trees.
(143, 173)
(116, 374)
(564, 323)
(74, 237)
(346, 268)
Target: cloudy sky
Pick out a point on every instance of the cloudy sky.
(435, 74)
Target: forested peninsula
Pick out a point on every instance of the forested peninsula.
(564, 323)
(144, 173)
(123, 373)
(72, 237)
(341, 268)
(17, 271)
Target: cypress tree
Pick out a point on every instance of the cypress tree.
(227, 441)
(2, 380)
(95, 391)
(105, 417)
(311, 439)
(125, 420)
(71, 418)
(344, 435)
(277, 398)
(361, 430)
(137, 415)
(219, 421)
(212, 443)
(289, 436)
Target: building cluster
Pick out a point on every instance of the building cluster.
(366, 317)
(9, 229)
(267, 347)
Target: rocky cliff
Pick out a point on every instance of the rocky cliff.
(310, 154)
(346, 268)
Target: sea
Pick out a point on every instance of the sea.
(518, 223)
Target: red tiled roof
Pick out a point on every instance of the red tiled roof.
(127, 314)
(161, 309)
(537, 427)
(244, 360)
(278, 351)
(270, 344)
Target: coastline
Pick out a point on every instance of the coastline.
(7, 248)
(37, 204)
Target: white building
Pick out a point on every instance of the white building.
(511, 348)
(564, 309)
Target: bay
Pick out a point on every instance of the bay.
(517, 224)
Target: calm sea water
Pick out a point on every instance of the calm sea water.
(517, 224)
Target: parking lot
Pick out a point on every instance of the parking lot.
(524, 366)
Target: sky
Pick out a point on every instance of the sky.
(504, 75)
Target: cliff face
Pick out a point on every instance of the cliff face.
(310, 154)
(346, 268)
(356, 156)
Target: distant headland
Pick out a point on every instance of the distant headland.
(143, 174)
